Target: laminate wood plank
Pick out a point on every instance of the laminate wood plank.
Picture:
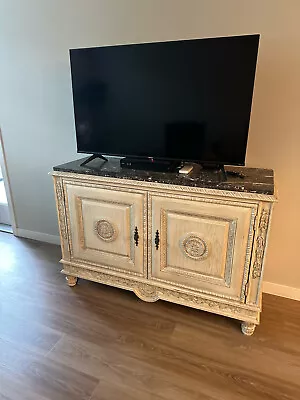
(93, 321)
(220, 379)
(14, 361)
(170, 359)
(129, 342)
(56, 381)
(14, 388)
(267, 371)
(29, 334)
(91, 308)
(41, 376)
(109, 391)
(14, 357)
(118, 369)
(280, 327)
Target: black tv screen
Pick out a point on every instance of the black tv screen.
(187, 100)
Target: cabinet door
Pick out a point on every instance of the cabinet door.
(107, 227)
(201, 245)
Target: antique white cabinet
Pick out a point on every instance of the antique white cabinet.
(202, 247)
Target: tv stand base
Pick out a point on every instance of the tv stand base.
(93, 157)
(175, 234)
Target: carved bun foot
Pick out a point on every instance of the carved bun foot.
(147, 293)
(71, 280)
(248, 328)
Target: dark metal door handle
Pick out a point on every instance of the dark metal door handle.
(136, 236)
(156, 240)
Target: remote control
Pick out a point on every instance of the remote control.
(186, 169)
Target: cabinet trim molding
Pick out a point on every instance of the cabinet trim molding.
(61, 208)
(90, 179)
(152, 293)
(260, 244)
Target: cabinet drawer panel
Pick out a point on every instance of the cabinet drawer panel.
(107, 228)
(202, 245)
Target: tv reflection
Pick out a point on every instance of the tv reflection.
(92, 97)
(185, 139)
(193, 140)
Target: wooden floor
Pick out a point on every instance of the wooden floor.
(96, 342)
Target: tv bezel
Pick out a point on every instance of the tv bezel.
(198, 161)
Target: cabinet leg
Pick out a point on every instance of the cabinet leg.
(71, 280)
(248, 328)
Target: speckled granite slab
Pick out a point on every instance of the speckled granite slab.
(253, 180)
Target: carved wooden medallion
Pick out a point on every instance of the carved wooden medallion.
(105, 230)
(194, 246)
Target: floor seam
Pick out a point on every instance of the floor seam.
(49, 351)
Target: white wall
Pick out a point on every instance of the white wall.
(36, 105)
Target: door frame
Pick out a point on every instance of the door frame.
(6, 181)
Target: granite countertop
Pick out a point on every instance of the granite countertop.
(249, 180)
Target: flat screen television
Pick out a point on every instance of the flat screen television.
(184, 100)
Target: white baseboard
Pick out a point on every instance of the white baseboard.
(281, 290)
(4, 214)
(39, 236)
